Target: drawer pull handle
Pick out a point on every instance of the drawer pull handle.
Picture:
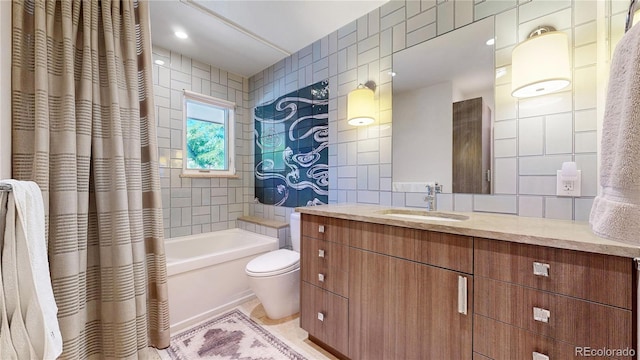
(321, 253)
(540, 269)
(539, 356)
(320, 316)
(321, 277)
(462, 295)
(541, 315)
(321, 229)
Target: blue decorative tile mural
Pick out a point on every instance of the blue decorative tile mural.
(291, 148)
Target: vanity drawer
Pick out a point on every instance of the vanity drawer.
(325, 316)
(449, 251)
(325, 264)
(560, 317)
(454, 252)
(325, 228)
(500, 341)
(384, 239)
(601, 278)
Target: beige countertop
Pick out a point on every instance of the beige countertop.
(564, 234)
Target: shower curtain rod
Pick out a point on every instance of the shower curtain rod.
(5, 187)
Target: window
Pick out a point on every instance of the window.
(208, 142)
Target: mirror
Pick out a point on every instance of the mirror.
(440, 133)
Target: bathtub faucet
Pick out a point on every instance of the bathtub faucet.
(432, 196)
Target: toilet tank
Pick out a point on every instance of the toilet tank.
(294, 226)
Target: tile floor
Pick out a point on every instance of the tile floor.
(287, 329)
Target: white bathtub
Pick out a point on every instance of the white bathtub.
(206, 273)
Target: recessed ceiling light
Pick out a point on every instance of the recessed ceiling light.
(491, 41)
(159, 62)
(181, 34)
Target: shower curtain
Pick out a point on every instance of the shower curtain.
(84, 130)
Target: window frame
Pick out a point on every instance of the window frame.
(229, 135)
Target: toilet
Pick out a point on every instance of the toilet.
(275, 276)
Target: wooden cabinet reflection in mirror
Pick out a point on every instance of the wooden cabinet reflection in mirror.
(471, 147)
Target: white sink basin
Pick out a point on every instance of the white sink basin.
(424, 215)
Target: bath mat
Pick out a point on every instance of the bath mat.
(230, 336)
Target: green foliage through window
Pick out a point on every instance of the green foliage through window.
(205, 145)
(208, 140)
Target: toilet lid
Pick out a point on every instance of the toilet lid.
(274, 263)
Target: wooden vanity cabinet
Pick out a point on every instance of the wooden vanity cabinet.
(407, 293)
(408, 296)
(325, 316)
(401, 309)
(534, 299)
(390, 292)
(324, 306)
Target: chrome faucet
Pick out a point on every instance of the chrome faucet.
(432, 196)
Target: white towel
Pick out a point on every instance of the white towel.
(37, 303)
(7, 351)
(20, 338)
(616, 210)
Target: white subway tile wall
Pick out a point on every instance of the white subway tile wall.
(496, 203)
(196, 205)
(583, 209)
(532, 137)
(531, 206)
(505, 176)
(558, 208)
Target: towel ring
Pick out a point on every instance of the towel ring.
(629, 22)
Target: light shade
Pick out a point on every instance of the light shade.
(360, 107)
(540, 65)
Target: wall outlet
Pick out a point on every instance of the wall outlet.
(568, 188)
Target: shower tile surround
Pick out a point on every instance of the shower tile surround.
(530, 139)
(196, 205)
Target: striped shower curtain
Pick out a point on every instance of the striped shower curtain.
(84, 131)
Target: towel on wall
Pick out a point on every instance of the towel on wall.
(616, 210)
(28, 293)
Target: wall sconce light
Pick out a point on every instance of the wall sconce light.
(360, 105)
(540, 64)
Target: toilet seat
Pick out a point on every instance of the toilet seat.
(274, 263)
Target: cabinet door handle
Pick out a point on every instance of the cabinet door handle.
(540, 269)
(462, 295)
(321, 253)
(321, 277)
(541, 315)
(321, 316)
(539, 356)
(321, 229)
